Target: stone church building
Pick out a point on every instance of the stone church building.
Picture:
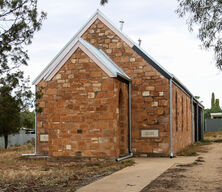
(105, 97)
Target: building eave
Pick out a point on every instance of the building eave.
(99, 15)
(97, 55)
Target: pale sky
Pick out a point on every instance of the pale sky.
(164, 36)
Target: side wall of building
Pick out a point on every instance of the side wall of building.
(150, 91)
(80, 111)
(182, 119)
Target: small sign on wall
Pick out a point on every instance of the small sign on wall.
(44, 137)
(149, 133)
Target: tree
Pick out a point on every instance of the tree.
(215, 107)
(215, 104)
(197, 97)
(27, 119)
(9, 114)
(207, 113)
(15, 96)
(19, 20)
(102, 2)
(212, 100)
(207, 14)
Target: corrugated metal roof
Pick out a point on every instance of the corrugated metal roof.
(131, 43)
(105, 59)
(71, 43)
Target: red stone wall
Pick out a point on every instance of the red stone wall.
(150, 90)
(80, 112)
(182, 120)
(82, 97)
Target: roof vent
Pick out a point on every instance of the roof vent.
(139, 40)
(121, 24)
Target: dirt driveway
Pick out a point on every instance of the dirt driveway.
(205, 174)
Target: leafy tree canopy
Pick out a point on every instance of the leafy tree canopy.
(27, 119)
(207, 15)
(102, 2)
(215, 107)
(19, 19)
(15, 96)
(9, 114)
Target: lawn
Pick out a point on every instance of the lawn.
(25, 174)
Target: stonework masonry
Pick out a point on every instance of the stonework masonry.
(150, 90)
(85, 112)
(80, 111)
(182, 119)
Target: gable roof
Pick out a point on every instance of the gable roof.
(99, 15)
(96, 54)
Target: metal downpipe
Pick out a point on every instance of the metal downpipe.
(35, 125)
(192, 118)
(130, 129)
(171, 120)
(203, 123)
(197, 119)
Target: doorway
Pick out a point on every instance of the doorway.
(123, 124)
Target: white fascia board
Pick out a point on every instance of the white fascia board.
(98, 15)
(98, 61)
(105, 59)
(61, 62)
(87, 51)
(117, 68)
(68, 46)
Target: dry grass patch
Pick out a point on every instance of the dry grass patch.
(22, 174)
(194, 149)
(213, 136)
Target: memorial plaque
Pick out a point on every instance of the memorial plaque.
(44, 138)
(150, 133)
